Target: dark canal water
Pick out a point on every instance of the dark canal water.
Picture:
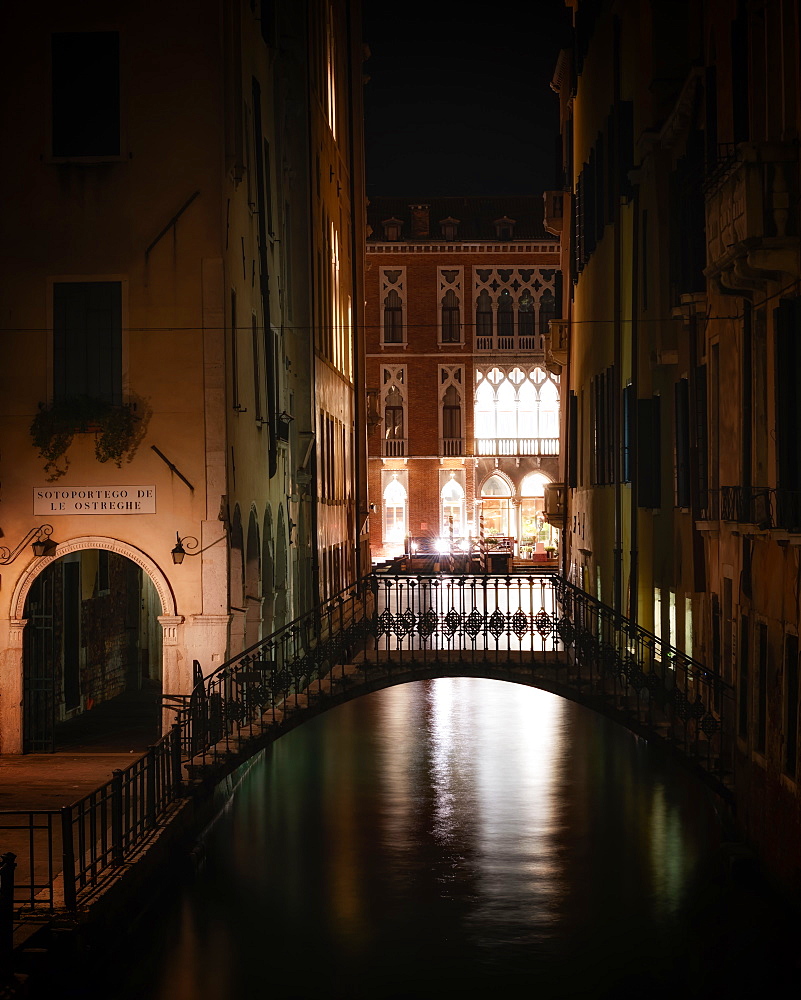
(461, 838)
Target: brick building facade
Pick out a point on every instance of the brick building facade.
(463, 404)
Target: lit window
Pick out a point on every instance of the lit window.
(452, 497)
(394, 521)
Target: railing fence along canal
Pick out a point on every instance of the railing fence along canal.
(532, 629)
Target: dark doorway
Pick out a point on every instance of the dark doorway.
(92, 656)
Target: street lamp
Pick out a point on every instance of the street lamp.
(179, 551)
(42, 544)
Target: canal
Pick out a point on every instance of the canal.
(459, 838)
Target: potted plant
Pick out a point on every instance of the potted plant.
(54, 426)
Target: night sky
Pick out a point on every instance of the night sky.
(459, 99)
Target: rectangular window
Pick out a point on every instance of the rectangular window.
(658, 613)
(682, 443)
(451, 421)
(742, 673)
(788, 411)
(256, 370)
(87, 340)
(762, 686)
(85, 93)
(701, 439)
(451, 324)
(572, 440)
(393, 419)
(791, 705)
(688, 626)
(648, 472)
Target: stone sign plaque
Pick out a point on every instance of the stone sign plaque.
(51, 500)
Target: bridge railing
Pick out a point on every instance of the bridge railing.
(251, 692)
(537, 627)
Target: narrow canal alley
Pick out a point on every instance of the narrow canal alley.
(457, 838)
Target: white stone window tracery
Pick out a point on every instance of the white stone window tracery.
(514, 306)
(393, 305)
(516, 411)
(450, 281)
(451, 410)
(393, 409)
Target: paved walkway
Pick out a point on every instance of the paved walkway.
(88, 749)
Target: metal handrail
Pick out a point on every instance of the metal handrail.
(533, 628)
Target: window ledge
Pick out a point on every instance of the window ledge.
(87, 160)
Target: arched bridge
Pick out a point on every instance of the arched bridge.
(537, 630)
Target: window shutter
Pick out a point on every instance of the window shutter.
(649, 485)
(682, 442)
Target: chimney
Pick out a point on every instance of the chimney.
(420, 223)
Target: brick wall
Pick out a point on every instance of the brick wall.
(423, 355)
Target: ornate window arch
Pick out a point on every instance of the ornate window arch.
(393, 305)
(395, 507)
(525, 299)
(452, 508)
(516, 411)
(449, 285)
(393, 408)
(451, 410)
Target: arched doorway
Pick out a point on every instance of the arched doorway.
(496, 502)
(92, 654)
(537, 537)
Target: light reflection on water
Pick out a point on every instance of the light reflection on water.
(448, 838)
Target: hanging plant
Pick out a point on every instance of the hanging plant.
(55, 426)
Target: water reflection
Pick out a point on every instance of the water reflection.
(448, 838)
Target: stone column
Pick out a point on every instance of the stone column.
(11, 688)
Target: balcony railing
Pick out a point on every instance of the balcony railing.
(451, 447)
(517, 446)
(748, 196)
(393, 447)
(763, 506)
(528, 342)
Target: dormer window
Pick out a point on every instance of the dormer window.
(392, 229)
(449, 228)
(504, 228)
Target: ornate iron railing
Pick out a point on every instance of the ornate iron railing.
(533, 629)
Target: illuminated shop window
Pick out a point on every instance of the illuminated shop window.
(394, 521)
(453, 509)
(496, 495)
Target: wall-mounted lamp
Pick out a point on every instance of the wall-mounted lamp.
(179, 551)
(42, 544)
